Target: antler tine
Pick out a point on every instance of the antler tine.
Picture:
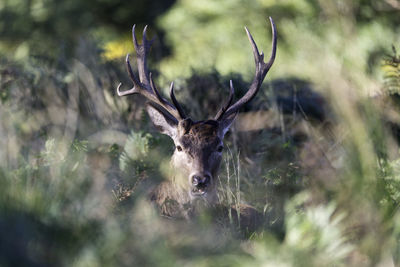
(175, 102)
(146, 86)
(262, 69)
(274, 40)
(133, 90)
(130, 71)
(253, 45)
(155, 91)
(135, 42)
(221, 112)
(141, 52)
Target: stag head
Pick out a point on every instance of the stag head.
(198, 144)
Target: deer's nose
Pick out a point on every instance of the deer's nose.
(200, 179)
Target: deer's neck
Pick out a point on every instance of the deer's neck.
(171, 200)
(172, 197)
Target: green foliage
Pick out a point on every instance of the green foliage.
(314, 237)
(53, 29)
(206, 34)
(136, 149)
(47, 198)
(77, 162)
(391, 68)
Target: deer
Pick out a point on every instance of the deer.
(198, 144)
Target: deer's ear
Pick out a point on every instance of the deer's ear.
(226, 123)
(164, 121)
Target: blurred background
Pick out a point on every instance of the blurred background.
(317, 151)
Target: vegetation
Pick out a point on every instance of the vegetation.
(320, 159)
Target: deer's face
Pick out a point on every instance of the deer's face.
(198, 150)
(197, 157)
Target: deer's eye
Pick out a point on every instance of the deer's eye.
(220, 148)
(179, 148)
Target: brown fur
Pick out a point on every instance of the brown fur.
(171, 200)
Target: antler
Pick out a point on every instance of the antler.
(262, 69)
(146, 86)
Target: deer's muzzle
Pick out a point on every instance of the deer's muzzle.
(200, 184)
